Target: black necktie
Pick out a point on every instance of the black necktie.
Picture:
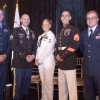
(39, 42)
(91, 33)
(27, 31)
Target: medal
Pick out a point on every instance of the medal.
(21, 41)
(27, 36)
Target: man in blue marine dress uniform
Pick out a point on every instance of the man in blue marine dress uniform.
(4, 52)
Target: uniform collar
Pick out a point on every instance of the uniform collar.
(24, 27)
(46, 33)
(66, 26)
(92, 28)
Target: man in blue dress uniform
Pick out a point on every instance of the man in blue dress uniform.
(4, 52)
(90, 47)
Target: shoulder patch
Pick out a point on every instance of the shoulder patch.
(76, 37)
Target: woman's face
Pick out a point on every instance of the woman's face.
(46, 26)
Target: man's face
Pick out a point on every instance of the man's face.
(65, 17)
(1, 16)
(92, 19)
(25, 20)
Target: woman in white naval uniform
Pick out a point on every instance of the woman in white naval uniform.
(45, 59)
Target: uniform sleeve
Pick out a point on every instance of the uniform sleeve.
(8, 40)
(73, 44)
(81, 43)
(34, 47)
(15, 44)
(49, 48)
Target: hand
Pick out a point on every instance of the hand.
(2, 58)
(37, 62)
(29, 58)
(58, 58)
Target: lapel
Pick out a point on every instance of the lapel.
(86, 35)
(22, 30)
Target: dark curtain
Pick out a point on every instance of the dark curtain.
(76, 7)
(37, 10)
(92, 5)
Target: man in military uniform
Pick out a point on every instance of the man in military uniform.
(90, 47)
(67, 43)
(23, 45)
(4, 52)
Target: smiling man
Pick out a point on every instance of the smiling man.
(67, 43)
(90, 47)
(23, 45)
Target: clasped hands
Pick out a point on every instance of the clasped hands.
(2, 57)
(29, 58)
(58, 58)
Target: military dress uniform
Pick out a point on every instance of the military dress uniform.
(67, 43)
(45, 50)
(90, 47)
(4, 49)
(22, 44)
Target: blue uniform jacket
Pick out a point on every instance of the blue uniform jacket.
(91, 52)
(4, 41)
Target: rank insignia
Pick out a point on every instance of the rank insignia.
(5, 30)
(76, 37)
(11, 37)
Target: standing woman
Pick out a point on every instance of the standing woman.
(45, 59)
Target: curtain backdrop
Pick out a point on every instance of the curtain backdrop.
(40, 9)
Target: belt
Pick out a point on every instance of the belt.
(61, 48)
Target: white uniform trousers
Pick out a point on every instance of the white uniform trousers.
(46, 75)
(67, 84)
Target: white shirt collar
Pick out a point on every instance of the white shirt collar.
(24, 27)
(92, 28)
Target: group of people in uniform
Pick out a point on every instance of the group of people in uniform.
(23, 44)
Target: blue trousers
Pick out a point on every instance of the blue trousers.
(3, 75)
(92, 86)
(22, 79)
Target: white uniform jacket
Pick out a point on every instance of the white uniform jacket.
(45, 49)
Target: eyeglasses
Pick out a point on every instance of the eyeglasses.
(92, 18)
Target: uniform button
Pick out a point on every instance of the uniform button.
(89, 51)
(89, 56)
(89, 45)
(1, 43)
(1, 49)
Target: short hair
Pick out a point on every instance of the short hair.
(48, 20)
(92, 11)
(67, 11)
